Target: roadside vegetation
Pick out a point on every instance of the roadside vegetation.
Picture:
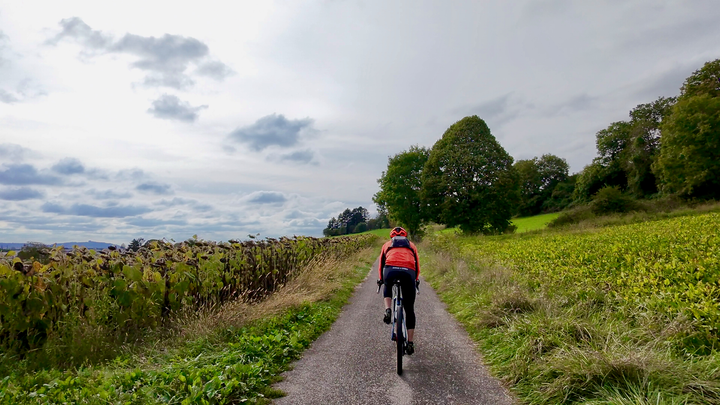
(622, 314)
(219, 352)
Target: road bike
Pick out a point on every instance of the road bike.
(398, 332)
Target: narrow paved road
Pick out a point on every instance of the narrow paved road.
(354, 362)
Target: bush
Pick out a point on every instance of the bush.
(572, 216)
(35, 251)
(611, 200)
(361, 227)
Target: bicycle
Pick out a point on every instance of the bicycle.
(399, 330)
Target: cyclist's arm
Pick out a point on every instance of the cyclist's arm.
(381, 263)
(417, 263)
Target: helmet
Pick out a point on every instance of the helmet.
(399, 231)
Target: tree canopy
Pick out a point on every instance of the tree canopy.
(469, 181)
(538, 178)
(689, 161)
(400, 188)
(347, 222)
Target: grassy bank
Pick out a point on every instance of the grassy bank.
(618, 315)
(228, 354)
(533, 223)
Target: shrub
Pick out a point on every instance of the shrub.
(572, 216)
(611, 200)
(361, 227)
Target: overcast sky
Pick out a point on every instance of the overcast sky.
(158, 119)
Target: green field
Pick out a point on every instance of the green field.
(533, 223)
(383, 233)
(525, 224)
(624, 314)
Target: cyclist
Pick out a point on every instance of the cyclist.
(399, 260)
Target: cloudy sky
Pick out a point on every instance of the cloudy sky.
(159, 119)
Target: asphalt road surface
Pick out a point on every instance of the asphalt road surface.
(354, 362)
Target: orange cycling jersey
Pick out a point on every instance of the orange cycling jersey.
(406, 257)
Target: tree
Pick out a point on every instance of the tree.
(611, 143)
(136, 244)
(530, 182)
(380, 221)
(400, 187)
(553, 170)
(561, 196)
(346, 221)
(705, 80)
(538, 178)
(469, 180)
(644, 144)
(689, 160)
(608, 169)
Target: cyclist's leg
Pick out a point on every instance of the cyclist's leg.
(388, 277)
(408, 290)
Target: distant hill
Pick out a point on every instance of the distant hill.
(89, 244)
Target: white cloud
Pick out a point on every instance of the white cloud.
(308, 100)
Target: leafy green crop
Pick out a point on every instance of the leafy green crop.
(671, 266)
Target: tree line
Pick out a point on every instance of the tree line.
(668, 147)
(355, 221)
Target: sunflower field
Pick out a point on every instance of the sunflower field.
(131, 290)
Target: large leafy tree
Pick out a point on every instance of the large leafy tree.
(530, 181)
(561, 196)
(469, 180)
(705, 80)
(538, 178)
(644, 145)
(608, 169)
(689, 160)
(346, 222)
(400, 188)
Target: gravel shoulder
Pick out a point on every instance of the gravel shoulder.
(354, 362)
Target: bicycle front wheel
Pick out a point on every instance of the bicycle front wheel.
(400, 340)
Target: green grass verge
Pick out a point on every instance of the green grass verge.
(237, 365)
(556, 340)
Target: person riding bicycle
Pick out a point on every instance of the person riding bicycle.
(399, 261)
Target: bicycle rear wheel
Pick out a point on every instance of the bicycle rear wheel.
(400, 340)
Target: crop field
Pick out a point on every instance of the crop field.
(211, 327)
(134, 290)
(624, 314)
(671, 266)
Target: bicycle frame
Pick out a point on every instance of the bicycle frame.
(398, 334)
(397, 307)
